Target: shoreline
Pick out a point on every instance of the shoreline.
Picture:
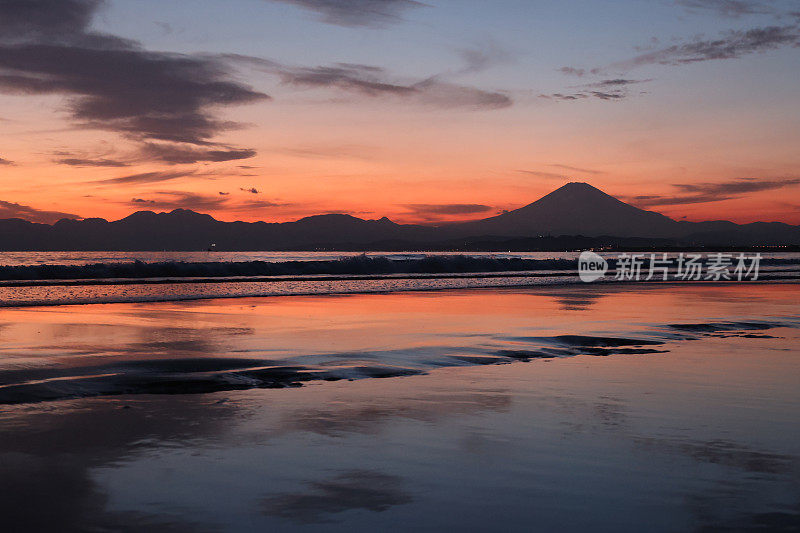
(343, 292)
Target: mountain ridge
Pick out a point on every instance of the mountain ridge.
(575, 209)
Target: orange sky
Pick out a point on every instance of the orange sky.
(694, 142)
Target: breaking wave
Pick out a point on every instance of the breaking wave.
(346, 266)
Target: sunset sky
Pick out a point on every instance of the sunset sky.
(423, 111)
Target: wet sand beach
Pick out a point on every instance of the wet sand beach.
(604, 408)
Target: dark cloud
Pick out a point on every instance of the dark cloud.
(258, 204)
(583, 95)
(48, 47)
(654, 201)
(14, 210)
(101, 162)
(564, 97)
(354, 13)
(221, 201)
(140, 94)
(358, 489)
(617, 82)
(730, 45)
(579, 72)
(738, 186)
(714, 192)
(602, 95)
(367, 80)
(728, 8)
(608, 89)
(185, 154)
(180, 200)
(251, 190)
(5, 162)
(448, 209)
(148, 177)
(54, 20)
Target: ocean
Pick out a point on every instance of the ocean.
(60, 278)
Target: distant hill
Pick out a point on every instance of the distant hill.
(573, 216)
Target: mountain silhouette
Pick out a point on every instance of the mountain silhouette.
(575, 210)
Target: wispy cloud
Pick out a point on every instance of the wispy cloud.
(730, 45)
(148, 177)
(164, 152)
(251, 190)
(576, 169)
(441, 212)
(701, 193)
(257, 204)
(333, 151)
(583, 95)
(607, 89)
(179, 200)
(579, 72)
(449, 209)
(616, 82)
(484, 57)
(186, 154)
(220, 202)
(728, 8)
(544, 174)
(374, 82)
(100, 162)
(357, 13)
(14, 210)
(573, 173)
(5, 162)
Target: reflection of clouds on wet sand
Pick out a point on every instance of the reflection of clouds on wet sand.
(578, 300)
(153, 341)
(353, 490)
(50, 454)
(46, 462)
(724, 453)
(758, 494)
(735, 487)
(185, 365)
(373, 417)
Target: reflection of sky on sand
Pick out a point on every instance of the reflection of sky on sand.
(702, 438)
